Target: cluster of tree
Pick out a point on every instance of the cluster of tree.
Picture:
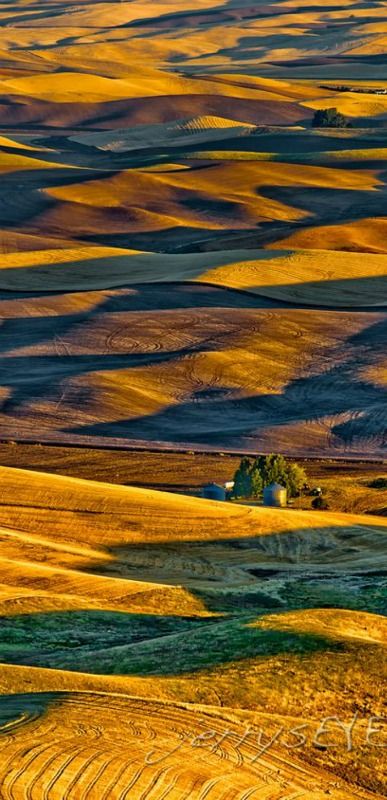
(330, 118)
(251, 477)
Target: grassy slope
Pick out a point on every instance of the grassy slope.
(222, 644)
(247, 615)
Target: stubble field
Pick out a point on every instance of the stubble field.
(188, 267)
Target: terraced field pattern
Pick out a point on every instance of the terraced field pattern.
(190, 270)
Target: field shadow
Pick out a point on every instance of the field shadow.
(18, 710)
(323, 566)
(329, 205)
(105, 643)
(341, 390)
(329, 392)
(23, 199)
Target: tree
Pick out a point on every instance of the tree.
(276, 469)
(271, 468)
(242, 479)
(251, 479)
(296, 479)
(330, 118)
(256, 481)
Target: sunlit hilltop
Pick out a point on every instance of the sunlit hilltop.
(144, 146)
(193, 271)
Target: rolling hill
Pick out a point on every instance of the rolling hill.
(190, 270)
(186, 261)
(183, 615)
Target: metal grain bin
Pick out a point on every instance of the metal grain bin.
(275, 495)
(214, 492)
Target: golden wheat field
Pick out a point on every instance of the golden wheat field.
(193, 267)
(185, 258)
(145, 650)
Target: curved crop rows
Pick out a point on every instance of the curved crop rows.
(138, 749)
(189, 264)
(247, 377)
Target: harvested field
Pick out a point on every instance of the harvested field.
(162, 178)
(191, 270)
(347, 484)
(93, 760)
(199, 604)
(174, 364)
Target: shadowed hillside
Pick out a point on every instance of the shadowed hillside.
(193, 265)
(177, 147)
(189, 601)
(175, 363)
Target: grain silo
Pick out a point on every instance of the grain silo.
(275, 495)
(214, 492)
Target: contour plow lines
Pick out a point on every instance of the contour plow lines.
(69, 765)
(149, 155)
(278, 274)
(49, 768)
(56, 766)
(164, 758)
(188, 334)
(268, 368)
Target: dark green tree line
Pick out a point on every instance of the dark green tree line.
(252, 476)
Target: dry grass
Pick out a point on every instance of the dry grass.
(365, 236)
(152, 154)
(66, 606)
(346, 483)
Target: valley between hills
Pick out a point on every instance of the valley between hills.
(191, 271)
